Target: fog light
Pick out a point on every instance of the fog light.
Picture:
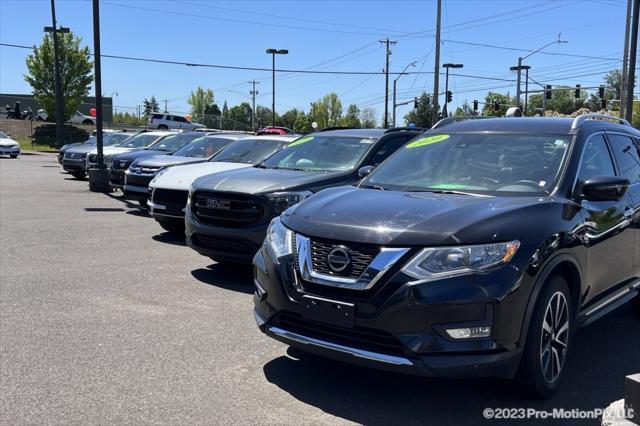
(469, 333)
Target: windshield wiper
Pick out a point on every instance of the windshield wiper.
(370, 186)
(449, 192)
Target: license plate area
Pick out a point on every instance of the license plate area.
(328, 311)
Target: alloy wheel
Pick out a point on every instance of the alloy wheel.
(555, 337)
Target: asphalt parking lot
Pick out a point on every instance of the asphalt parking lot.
(107, 319)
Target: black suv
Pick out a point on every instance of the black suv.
(477, 249)
(229, 212)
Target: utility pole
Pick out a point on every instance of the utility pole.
(253, 92)
(56, 71)
(273, 53)
(633, 50)
(165, 105)
(387, 44)
(436, 67)
(625, 59)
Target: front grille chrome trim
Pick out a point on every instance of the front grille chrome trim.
(358, 353)
(380, 264)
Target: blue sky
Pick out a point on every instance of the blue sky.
(322, 35)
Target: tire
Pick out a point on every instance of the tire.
(549, 340)
(13, 155)
(163, 127)
(88, 123)
(635, 305)
(79, 175)
(174, 227)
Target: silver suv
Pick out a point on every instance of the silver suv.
(163, 121)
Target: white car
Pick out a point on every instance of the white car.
(163, 121)
(139, 141)
(80, 118)
(8, 146)
(170, 187)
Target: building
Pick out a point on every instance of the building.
(27, 100)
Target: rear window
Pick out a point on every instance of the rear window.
(249, 151)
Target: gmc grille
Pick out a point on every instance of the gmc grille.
(227, 210)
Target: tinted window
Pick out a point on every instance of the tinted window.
(387, 148)
(157, 116)
(142, 140)
(174, 142)
(321, 153)
(180, 119)
(249, 151)
(626, 153)
(115, 138)
(203, 147)
(596, 160)
(475, 162)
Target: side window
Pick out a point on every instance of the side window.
(626, 154)
(180, 119)
(170, 118)
(388, 147)
(157, 116)
(596, 160)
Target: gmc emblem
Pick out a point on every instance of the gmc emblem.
(212, 203)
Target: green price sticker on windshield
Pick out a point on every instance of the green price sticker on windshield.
(427, 141)
(300, 141)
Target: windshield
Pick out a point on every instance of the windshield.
(484, 163)
(142, 140)
(249, 151)
(174, 142)
(91, 140)
(113, 138)
(204, 146)
(3, 136)
(321, 153)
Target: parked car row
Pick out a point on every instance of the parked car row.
(8, 146)
(474, 249)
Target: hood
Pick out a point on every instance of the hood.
(139, 153)
(81, 148)
(70, 145)
(409, 219)
(167, 160)
(8, 142)
(108, 150)
(255, 180)
(181, 177)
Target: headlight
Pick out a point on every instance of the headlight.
(283, 200)
(444, 262)
(158, 174)
(279, 238)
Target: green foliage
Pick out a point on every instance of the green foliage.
(352, 117)
(368, 118)
(129, 119)
(327, 111)
(75, 73)
(422, 115)
(263, 116)
(465, 109)
(489, 109)
(150, 106)
(238, 116)
(202, 104)
(288, 119)
(635, 118)
(302, 123)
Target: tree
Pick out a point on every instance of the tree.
(327, 111)
(150, 106)
(263, 116)
(490, 100)
(302, 123)
(202, 103)
(422, 115)
(319, 113)
(563, 101)
(368, 118)
(289, 118)
(352, 117)
(75, 73)
(238, 115)
(465, 109)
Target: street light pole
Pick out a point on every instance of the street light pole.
(395, 84)
(446, 85)
(56, 72)
(273, 53)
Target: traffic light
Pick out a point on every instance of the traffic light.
(547, 92)
(577, 93)
(475, 106)
(415, 103)
(601, 92)
(496, 105)
(449, 95)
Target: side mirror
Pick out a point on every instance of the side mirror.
(604, 188)
(365, 171)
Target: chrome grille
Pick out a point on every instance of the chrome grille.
(361, 257)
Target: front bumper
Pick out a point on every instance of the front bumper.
(398, 325)
(237, 245)
(116, 178)
(9, 150)
(74, 165)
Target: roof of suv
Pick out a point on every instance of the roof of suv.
(550, 125)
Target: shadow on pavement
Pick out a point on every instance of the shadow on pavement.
(104, 209)
(169, 238)
(228, 276)
(603, 354)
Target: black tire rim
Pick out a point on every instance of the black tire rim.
(554, 340)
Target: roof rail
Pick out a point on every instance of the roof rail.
(581, 119)
(449, 120)
(398, 129)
